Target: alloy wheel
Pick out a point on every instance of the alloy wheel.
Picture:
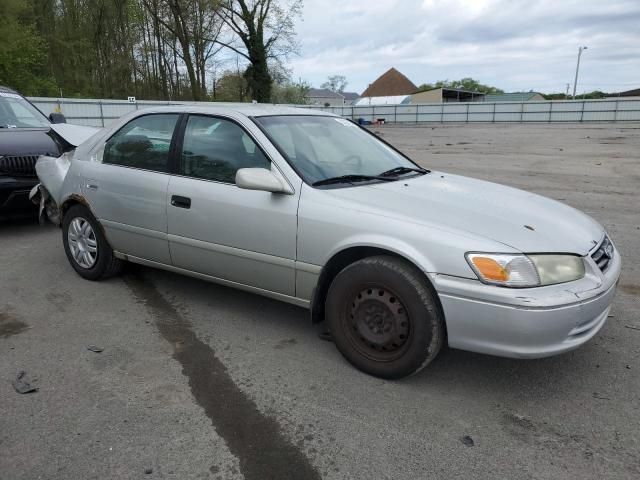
(83, 244)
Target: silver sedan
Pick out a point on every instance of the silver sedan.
(312, 209)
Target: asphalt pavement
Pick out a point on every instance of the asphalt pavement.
(195, 380)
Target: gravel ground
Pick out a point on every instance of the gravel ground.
(201, 381)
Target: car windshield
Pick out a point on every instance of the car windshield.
(322, 148)
(16, 112)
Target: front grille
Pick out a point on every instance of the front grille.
(603, 254)
(20, 166)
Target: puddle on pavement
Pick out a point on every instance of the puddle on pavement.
(10, 326)
(254, 438)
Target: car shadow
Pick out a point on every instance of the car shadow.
(491, 372)
(245, 306)
(23, 225)
(18, 221)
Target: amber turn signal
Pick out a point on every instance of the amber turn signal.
(490, 269)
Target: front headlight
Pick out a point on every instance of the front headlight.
(554, 269)
(521, 271)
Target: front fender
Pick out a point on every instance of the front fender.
(384, 242)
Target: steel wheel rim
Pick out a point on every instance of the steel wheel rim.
(83, 243)
(378, 324)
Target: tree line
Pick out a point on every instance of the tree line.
(231, 50)
(473, 85)
(466, 83)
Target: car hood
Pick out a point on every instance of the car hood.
(26, 141)
(522, 220)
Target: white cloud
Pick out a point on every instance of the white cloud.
(512, 44)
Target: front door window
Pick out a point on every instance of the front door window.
(215, 149)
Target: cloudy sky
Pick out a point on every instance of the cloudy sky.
(513, 44)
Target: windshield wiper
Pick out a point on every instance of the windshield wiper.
(394, 172)
(349, 179)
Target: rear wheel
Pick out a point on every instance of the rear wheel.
(86, 247)
(384, 318)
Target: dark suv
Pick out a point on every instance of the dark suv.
(24, 135)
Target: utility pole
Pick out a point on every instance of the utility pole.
(575, 82)
(566, 95)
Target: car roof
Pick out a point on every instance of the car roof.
(247, 109)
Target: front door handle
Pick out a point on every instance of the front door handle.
(180, 202)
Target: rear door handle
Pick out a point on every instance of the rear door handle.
(180, 202)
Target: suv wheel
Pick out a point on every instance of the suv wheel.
(86, 246)
(384, 318)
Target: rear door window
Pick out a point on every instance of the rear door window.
(143, 143)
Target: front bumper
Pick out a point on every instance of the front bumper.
(527, 323)
(14, 195)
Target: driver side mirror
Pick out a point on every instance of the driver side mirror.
(260, 179)
(56, 117)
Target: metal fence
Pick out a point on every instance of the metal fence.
(96, 112)
(609, 110)
(100, 113)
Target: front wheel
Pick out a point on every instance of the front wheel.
(86, 247)
(384, 318)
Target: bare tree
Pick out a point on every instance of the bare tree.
(335, 83)
(195, 25)
(265, 30)
(147, 48)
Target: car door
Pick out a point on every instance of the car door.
(215, 228)
(127, 190)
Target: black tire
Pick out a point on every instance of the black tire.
(105, 264)
(384, 318)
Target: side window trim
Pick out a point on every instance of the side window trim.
(172, 144)
(177, 141)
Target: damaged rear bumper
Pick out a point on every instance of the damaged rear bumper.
(47, 207)
(52, 172)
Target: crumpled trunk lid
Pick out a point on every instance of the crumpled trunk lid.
(74, 135)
